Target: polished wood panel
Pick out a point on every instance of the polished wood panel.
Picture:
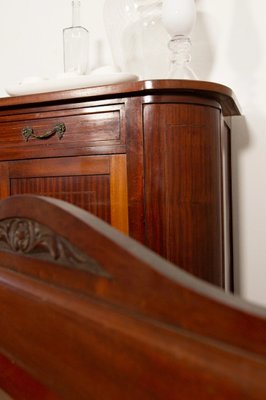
(86, 127)
(119, 193)
(89, 192)
(183, 187)
(166, 149)
(4, 181)
(17, 384)
(221, 93)
(58, 166)
(135, 169)
(97, 184)
(127, 325)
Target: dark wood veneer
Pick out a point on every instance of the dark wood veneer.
(166, 146)
(183, 186)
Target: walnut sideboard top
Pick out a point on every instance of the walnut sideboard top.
(150, 157)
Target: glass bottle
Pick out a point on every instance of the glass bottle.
(76, 44)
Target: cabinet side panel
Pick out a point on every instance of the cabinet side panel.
(183, 187)
(227, 202)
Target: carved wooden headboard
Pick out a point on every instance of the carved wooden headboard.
(88, 313)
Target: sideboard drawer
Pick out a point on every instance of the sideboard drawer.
(83, 128)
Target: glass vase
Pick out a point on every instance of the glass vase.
(178, 18)
(137, 37)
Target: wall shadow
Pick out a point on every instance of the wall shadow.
(244, 54)
(240, 140)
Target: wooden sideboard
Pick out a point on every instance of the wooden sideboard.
(151, 157)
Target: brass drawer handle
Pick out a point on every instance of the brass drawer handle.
(58, 129)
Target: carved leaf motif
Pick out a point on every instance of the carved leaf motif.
(33, 239)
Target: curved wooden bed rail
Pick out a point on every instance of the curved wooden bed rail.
(88, 313)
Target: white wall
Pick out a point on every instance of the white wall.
(238, 56)
(229, 47)
(31, 41)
